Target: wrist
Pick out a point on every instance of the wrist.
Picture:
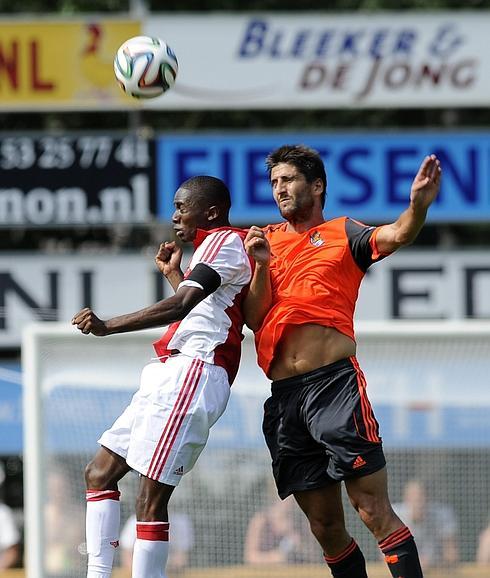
(419, 209)
(174, 273)
(262, 265)
(110, 326)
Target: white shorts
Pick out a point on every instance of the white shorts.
(166, 426)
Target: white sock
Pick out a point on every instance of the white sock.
(102, 526)
(150, 550)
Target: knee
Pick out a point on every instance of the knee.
(376, 514)
(144, 508)
(95, 477)
(148, 510)
(152, 504)
(327, 529)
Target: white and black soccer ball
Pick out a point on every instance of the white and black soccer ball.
(145, 67)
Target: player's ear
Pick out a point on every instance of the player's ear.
(318, 187)
(213, 213)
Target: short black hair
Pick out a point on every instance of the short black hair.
(208, 190)
(307, 160)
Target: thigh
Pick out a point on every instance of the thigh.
(369, 492)
(106, 469)
(298, 461)
(117, 438)
(323, 503)
(340, 417)
(184, 397)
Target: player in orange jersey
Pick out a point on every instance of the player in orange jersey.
(318, 422)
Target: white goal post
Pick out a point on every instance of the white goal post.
(428, 383)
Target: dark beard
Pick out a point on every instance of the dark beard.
(299, 212)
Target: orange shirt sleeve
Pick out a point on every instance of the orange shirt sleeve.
(377, 254)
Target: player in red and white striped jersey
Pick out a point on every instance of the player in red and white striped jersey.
(182, 393)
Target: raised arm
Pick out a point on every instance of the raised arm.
(168, 261)
(424, 190)
(259, 297)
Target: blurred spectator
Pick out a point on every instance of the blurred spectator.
(9, 533)
(64, 519)
(483, 551)
(279, 534)
(433, 525)
(182, 541)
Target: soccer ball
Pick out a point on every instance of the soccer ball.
(145, 67)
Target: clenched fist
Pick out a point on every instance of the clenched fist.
(168, 257)
(87, 322)
(257, 246)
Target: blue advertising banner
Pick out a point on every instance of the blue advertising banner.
(369, 174)
(10, 410)
(68, 430)
(240, 427)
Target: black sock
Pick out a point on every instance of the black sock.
(348, 564)
(401, 554)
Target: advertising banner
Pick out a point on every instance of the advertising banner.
(369, 174)
(325, 60)
(36, 287)
(76, 180)
(423, 285)
(255, 61)
(62, 64)
(443, 426)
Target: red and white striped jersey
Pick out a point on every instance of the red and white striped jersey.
(212, 331)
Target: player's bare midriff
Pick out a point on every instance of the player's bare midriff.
(307, 347)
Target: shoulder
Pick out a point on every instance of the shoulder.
(345, 223)
(355, 229)
(224, 251)
(230, 235)
(334, 227)
(223, 238)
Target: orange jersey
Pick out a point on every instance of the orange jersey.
(315, 278)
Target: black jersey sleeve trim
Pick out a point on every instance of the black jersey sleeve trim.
(207, 277)
(359, 237)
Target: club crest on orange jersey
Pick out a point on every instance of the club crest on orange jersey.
(316, 239)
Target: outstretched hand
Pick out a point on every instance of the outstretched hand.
(168, 258)
(87, 322)
(426, 183)
(257, 246)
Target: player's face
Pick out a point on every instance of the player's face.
(188, 215)
(292, 193)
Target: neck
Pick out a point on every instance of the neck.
(302, 226)
(217, 225)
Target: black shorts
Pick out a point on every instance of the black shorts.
(320, 428)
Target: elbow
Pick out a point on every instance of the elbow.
(185, 304)
(179, 310)
(253, 322)
(404, 237)
(403, 241)
(253, 326)
(182, 310)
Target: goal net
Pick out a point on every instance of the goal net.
(429, 386)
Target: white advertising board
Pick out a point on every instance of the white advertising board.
(408, 285)
(325, 60)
